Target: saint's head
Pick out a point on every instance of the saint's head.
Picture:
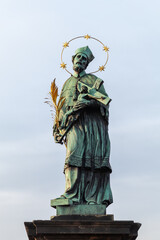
(83, 56)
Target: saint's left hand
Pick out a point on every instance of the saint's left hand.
(81, 104)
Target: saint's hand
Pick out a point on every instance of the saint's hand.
(64, 121)
(57, 138)
(81, 103)
(65, 118)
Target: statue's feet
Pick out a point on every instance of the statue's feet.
(105, 202)
(61, 201)
(61, 197)
(92, 203)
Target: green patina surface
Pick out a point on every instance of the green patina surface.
(81, 210)
(83, 122)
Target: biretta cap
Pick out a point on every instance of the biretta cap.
(86, 51)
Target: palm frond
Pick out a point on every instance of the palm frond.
(60, 102)
(52, 101)
(54, 93)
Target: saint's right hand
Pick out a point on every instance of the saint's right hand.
(64, 121)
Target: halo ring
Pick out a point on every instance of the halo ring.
(66, 44)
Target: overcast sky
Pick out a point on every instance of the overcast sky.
(31, 164)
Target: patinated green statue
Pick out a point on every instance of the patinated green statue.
(83, 127)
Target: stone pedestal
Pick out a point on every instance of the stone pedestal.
(68, 227)
(66, 207)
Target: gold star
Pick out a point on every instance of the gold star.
(66, 44)
(87, 36)
(101, 68)
(63, 65)
(105, 48)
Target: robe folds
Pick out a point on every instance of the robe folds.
(87, 167)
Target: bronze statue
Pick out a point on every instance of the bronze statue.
(82, 124)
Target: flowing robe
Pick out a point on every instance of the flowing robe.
(87, 168)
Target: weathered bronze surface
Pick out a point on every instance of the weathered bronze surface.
(81, 123)
(83, 127)
(79, 209)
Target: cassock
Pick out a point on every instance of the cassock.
(87, 168)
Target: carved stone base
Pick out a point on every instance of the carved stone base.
(80, 209)
(82, 228)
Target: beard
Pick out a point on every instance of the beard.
(77, 67)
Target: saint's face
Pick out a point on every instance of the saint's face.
(80, 62)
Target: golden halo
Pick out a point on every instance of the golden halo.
(66, 44)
